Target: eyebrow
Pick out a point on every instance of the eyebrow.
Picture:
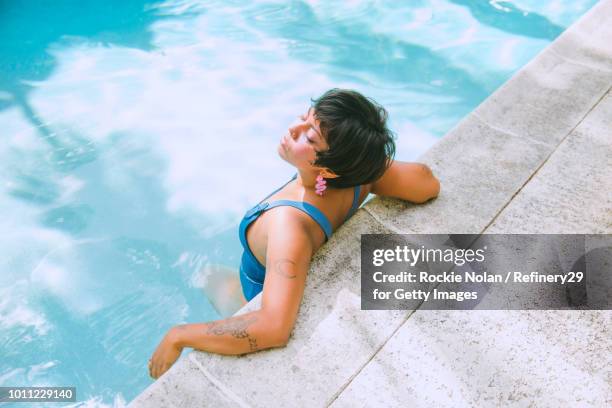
(312, 125)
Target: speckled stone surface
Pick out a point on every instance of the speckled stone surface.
(548, 87)
(569, 194)
(479, 168)
(587, 41)
(490, 359)
(184, 385)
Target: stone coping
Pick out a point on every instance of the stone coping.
(491, 166)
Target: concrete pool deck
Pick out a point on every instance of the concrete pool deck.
(534, 157)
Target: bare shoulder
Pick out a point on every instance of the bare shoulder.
(290, 223)
(413, 182)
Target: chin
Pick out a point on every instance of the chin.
(281, 154)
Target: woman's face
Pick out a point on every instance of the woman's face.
(302, 141)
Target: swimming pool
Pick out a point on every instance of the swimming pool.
(137, 133)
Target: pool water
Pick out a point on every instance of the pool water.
(135, 135)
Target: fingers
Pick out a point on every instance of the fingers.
(156, 370)
(151, 369)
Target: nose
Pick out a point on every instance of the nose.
(297, 128)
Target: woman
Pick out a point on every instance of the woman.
(342, 151)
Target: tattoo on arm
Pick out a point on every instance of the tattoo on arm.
(252, 344)
(236, 327)
(282, 268)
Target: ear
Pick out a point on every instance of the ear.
(327, 173)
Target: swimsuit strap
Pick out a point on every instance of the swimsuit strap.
(278, 189)
(309, 209)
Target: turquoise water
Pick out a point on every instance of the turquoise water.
(135, 134)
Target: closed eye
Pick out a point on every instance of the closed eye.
(304, 117)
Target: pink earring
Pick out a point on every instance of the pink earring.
(321, 185)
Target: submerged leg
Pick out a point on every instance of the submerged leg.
(222, 288)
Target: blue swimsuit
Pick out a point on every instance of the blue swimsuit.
(252, 273)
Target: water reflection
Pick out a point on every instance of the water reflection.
(99, 305)
(29, 30)
(352, 50)
(505, 16)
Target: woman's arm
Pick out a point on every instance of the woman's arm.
(288, 257)
(407, 181)
(235, 335)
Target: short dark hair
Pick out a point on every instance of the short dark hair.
(361, 147)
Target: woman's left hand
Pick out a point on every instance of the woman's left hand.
(167, 352)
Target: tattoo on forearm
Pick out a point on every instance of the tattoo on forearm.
(283, 267)
(236, 327)
(252, 343)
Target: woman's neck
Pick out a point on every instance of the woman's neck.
(307, 179)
